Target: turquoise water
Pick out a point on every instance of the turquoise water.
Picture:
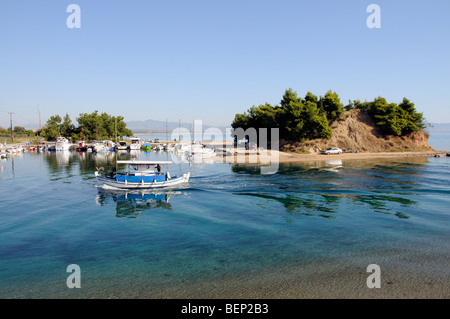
(440, 141)
(228, 222)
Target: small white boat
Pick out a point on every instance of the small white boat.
(194, 149)
(135, 144)
(168, 147)
(62, 144)
(122, 146)
(158, 148)
(99, 147)
(141, 175)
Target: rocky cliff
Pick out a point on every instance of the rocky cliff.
(356, 131)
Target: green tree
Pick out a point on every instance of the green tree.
(91, 126)
(96, 126)
(51, 129)
(122, 129)
(4, 131)
(311, 98)
(414, 119)
(66, 128)
(331, 104)
(30, 133)
(296, 119)
(19, 130)
(316, 123)
(290, 116)
(394, 119)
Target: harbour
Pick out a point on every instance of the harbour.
(211, 150)
(308, 231)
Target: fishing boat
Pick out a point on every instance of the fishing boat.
(81, 147)
(147, 147)
(141, 175)
(62, 144)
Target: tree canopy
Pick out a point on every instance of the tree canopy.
(302, 119)
(296, 118)
(391, 118)
(91, 126)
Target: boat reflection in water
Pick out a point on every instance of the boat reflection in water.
(131, 203)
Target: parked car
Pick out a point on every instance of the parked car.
(332, 150)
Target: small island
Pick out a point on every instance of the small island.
(361, 129)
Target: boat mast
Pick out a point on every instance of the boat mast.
(167, 143)
(115, 129)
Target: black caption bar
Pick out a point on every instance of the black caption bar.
(219, 308)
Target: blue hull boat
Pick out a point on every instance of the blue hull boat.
(140, 175)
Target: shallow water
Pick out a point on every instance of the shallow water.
(228, 222)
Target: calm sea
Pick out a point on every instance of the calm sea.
(229, 222)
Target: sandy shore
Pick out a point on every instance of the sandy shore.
(240, 155)
(267, 157)
(289, 157)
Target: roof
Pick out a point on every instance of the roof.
(144, 162)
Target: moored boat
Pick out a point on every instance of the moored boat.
(82, 147)
(141, 175)
(121, 146)
(194, 149)
(62, 144)
(135, 144)
(147, 147)
(99, 147)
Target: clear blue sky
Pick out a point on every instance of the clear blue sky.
(212, 59)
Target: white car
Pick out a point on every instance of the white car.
(332, 150)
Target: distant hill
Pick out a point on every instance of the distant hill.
(154, 126)
(355, 130)
(146, 126)
(438, 127)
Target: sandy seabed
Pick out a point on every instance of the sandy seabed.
(423, 276)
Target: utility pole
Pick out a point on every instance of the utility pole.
(12, 136)
(39, 110)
